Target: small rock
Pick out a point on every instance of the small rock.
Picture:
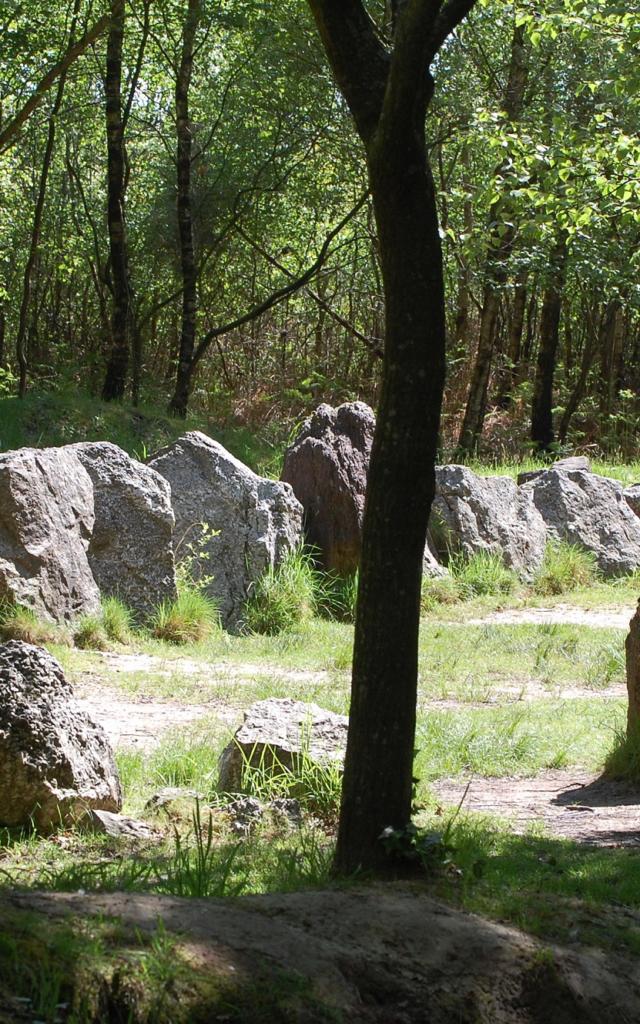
(276, 732)
(117, 826)
(579, 462)
(172, 799)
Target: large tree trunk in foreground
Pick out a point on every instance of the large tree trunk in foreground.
(118, 364)
(180, 400)
(388, 94)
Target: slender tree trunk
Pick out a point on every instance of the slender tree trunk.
(118, 364)
(400, 490)
(542, 433)
(511, 371)
(180, 400)
(501, 241)
(36, 230)
(580, 386)
(609, 339)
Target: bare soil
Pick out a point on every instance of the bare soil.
(559, 614)
(376, 955)
(571, 804)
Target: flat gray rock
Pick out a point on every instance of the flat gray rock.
(55, 761)
(252, 522)
(46, 522)
(130, 550)
(580, 462)
(276, 732)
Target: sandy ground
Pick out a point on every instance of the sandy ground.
(559, 614)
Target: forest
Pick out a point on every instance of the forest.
(186, 221)
(319, 511)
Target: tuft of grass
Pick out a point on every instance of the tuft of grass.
(317, 785)
(439, 590)
(192, 618)
(17, 622)
(565, 567)
(89, 633)
(483, 573)
(284, 597)
(336, 596)
(117, 620)
(623, 760)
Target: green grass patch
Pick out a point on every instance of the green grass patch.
(556, 889)
(191, 618)
(565, 567)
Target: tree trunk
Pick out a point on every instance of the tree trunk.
(542, 433)
(118, 363)
(632, 650)
(511, 370)
(180, 400)
(378, 775)
(388, 95)
(580, 386)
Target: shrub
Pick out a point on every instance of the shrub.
(191, 618)
(89, 633)
(284, 596)
(18, 622)
(484, 573)
(565, 567)
(117, 620)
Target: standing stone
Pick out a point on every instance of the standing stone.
(632, 649)
(275, 732)
(55, 762)
(472, 514)
(256, 521)
(327, 467)
(591, 511)
(130, 551)
(46, 522)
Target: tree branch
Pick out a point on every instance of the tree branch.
(359, 60)
(295, 285)
(7, 135)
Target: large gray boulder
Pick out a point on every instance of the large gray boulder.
(46, 522)
(55, 762)
(589, 510)
(130, 550)
(276, 732)
(251, 522)
(472, 514)
(327, 467)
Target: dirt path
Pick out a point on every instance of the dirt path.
(572, 805)
(559, 614)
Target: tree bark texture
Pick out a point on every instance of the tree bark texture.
(180, 399)
(118, 362)
(632, 650)
(388, 94)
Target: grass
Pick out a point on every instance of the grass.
(556, 889)
(18, 622)
(565, 567)
(284, 597)
(623, 759)
(191, 618)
